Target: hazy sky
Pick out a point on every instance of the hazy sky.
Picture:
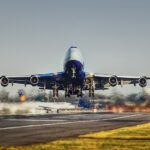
(113, 35)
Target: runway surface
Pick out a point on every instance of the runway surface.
(25, 130)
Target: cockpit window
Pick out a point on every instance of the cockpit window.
(73, 47)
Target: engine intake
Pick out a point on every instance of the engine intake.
(4, 81)
(34, 80)
(143, 82)
(113, 80)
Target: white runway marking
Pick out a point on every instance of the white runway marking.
(33, 120)
(40, 125)
(122, 117)
(63, 123)
(72, 115)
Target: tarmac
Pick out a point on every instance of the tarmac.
(26, 130)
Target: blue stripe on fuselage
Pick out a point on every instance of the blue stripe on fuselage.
(74, 63)
(78, 66)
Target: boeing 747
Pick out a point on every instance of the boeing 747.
(73, 79)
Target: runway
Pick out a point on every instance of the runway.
(25, 130)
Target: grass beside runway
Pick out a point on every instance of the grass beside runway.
(128, 138)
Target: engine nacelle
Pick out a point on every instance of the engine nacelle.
(143, 82)
(4, 81)
(34, 80)
(113, 80)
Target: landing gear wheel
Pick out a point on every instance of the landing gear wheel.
(55, 90)
(67, 94)
(55, 93)
(91, 93)
(91, 88)
(79, 94)
(78, 91)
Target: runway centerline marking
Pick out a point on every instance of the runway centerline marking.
(62, 123)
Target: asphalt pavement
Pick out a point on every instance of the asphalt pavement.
(25, 130)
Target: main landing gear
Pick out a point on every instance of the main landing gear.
(91, 88)
(79, 92)
(73, 91)
(67, 92)
(55, 91)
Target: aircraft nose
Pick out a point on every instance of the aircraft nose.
(72, 49)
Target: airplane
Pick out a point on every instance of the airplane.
(73, 79)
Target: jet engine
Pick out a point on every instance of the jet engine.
(34, 80)
(4, 81)
(113, 80)
(143, 82)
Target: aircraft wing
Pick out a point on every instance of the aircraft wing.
(56, 80)
(43, 81)
(105, 81)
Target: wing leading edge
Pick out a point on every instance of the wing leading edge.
(43, 81)
(103, 81)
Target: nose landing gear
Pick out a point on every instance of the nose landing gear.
(55, 91)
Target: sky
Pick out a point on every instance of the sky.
(113, 36)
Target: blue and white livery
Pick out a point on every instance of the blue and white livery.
(73, 79)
